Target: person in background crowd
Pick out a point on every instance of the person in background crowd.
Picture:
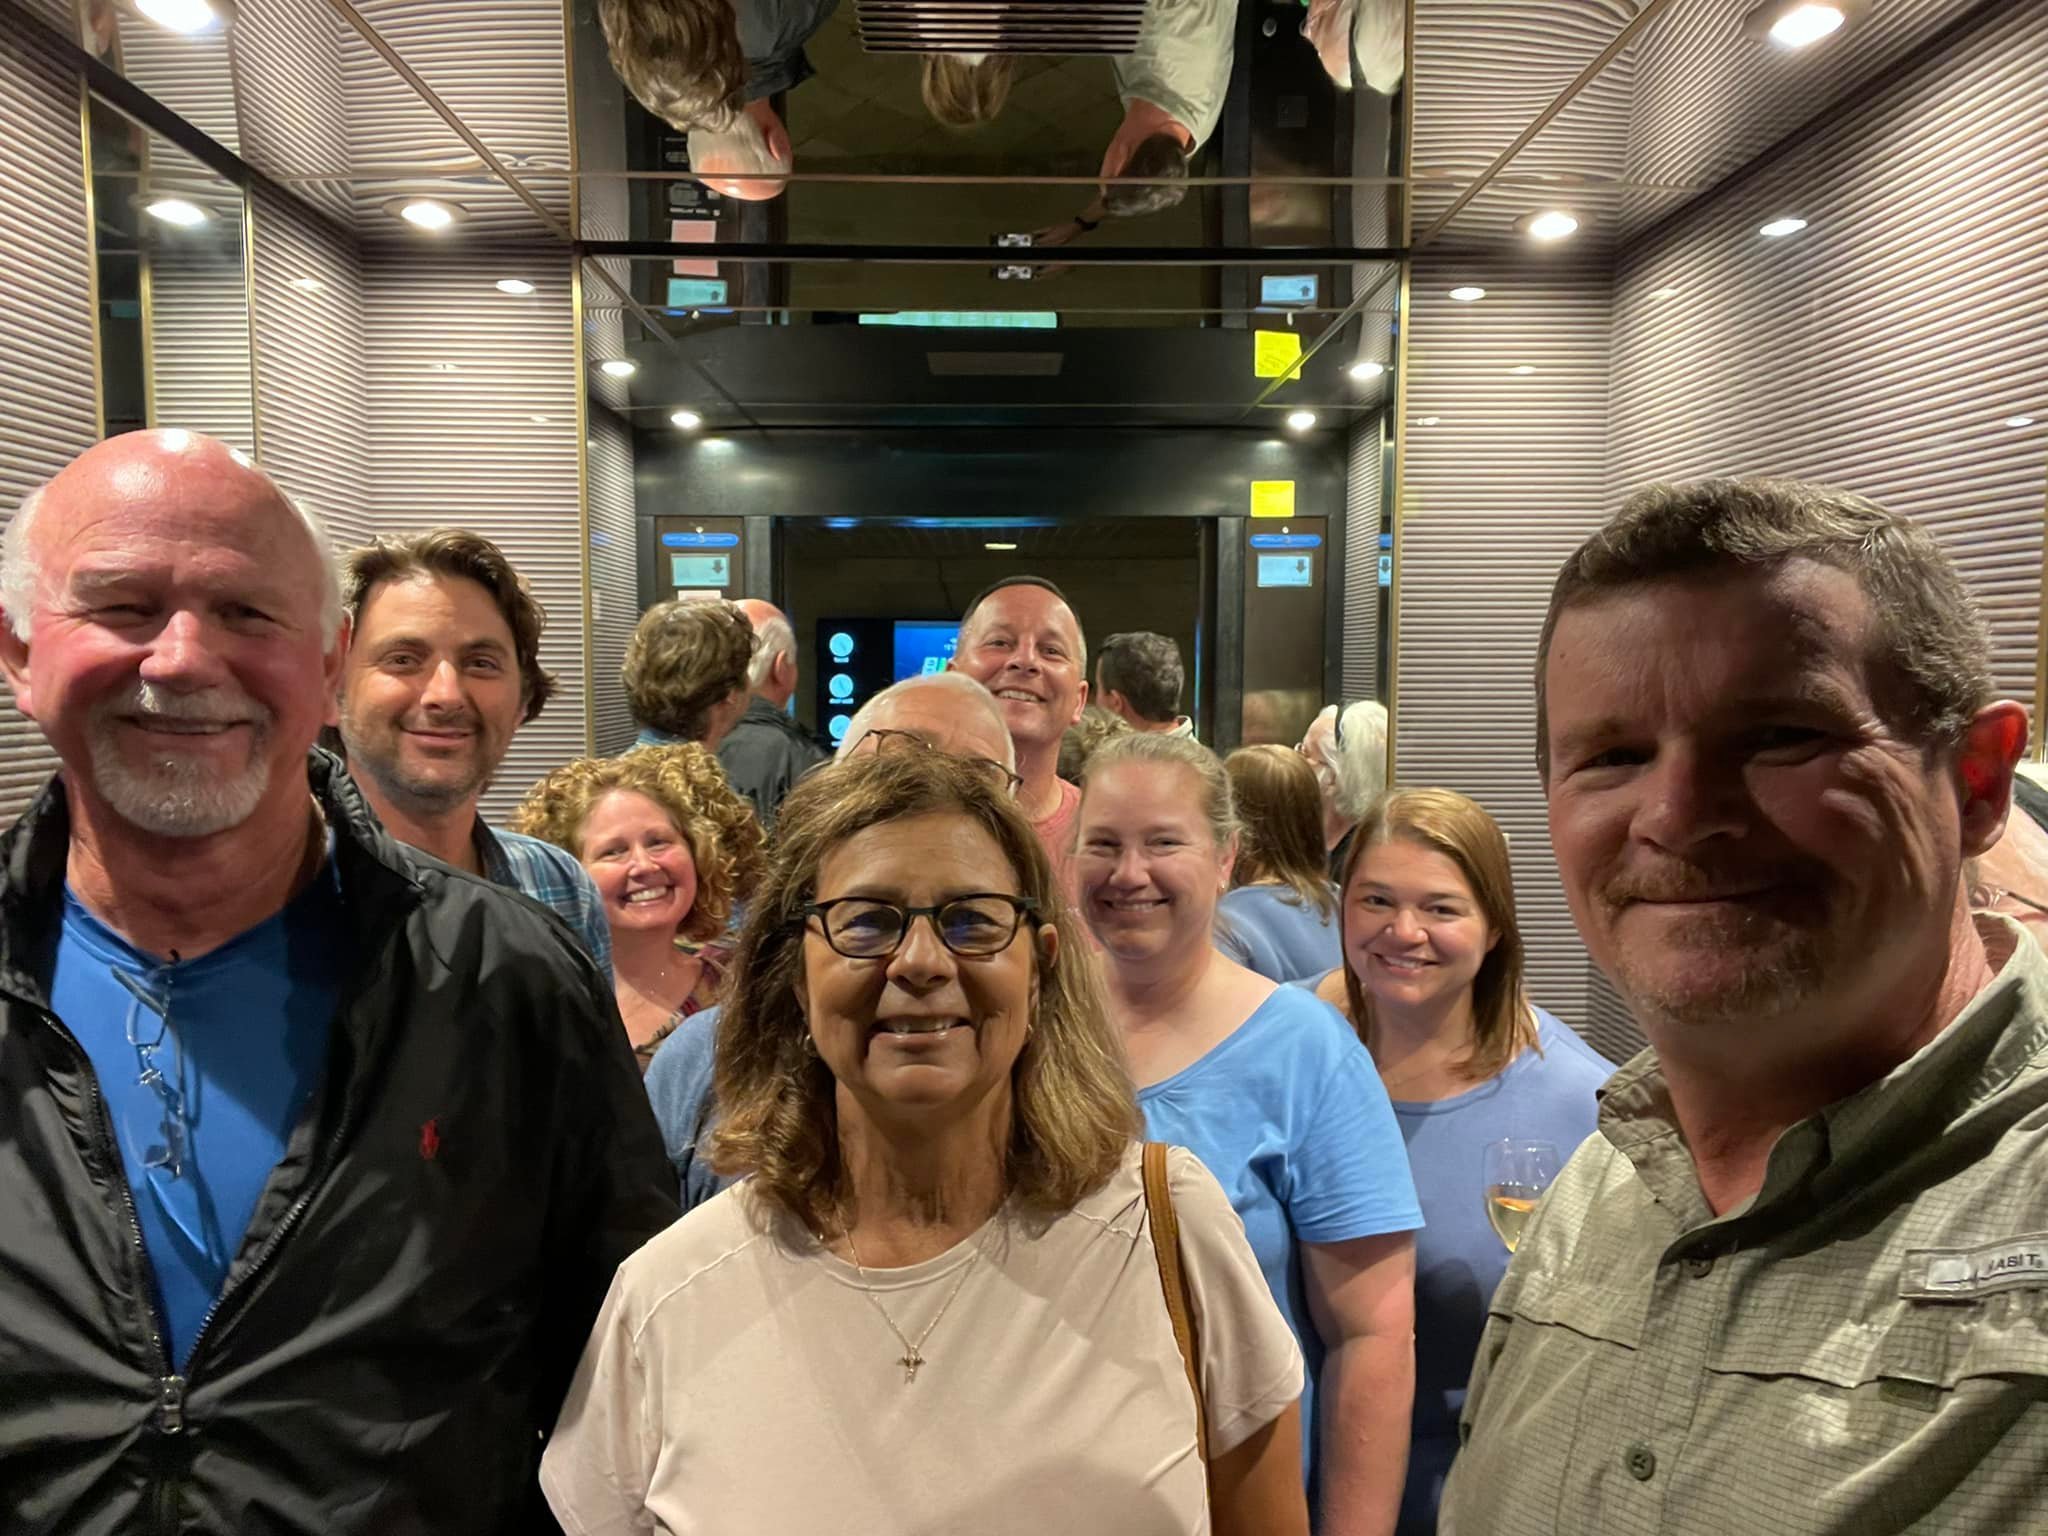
(1431, 978)
(1346, 745)
(443, 666)
(671, 848)
(1794, 1283)
(1279, 917)
(686, 671)
(965, 90)
(1271, 1089)
(1374, 33)
(1138, 676)
(766, 752)
(259, 1062)
(936, 1289)
(933, 712)
(1079, 741)
(710, 68)
(1020, 640)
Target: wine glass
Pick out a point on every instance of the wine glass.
(1515, 1174)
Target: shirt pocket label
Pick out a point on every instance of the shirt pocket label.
(1940, 1274)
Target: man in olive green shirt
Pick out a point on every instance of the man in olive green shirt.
(1797, 1283)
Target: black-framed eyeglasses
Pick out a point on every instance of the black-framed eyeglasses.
(892, 739)
(977, 925)
(1985, 898)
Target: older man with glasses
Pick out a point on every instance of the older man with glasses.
(934, 712)
(316, 1156)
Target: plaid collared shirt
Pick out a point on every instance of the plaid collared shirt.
(552, 877)
(1859, 1350)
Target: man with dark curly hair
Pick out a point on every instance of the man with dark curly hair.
(686, 671)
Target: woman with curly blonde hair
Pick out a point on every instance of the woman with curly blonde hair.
(670, 848)
(938, 1286)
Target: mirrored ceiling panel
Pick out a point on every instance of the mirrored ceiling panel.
(835, 344)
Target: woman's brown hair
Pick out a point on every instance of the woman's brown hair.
(681, 59)
(687, 656)
(687, 783)
(1446, 822)
(1280, 811)
(1074, 1113)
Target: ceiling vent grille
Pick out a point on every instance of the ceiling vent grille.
(999, 26)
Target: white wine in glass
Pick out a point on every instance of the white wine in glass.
(1515, 1174)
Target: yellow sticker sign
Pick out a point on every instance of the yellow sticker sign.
(1274, 353)
(1272, 498)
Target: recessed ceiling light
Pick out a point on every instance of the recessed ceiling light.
(424, 212)
(1367, 370)
(1550, 224)
(2019, 421)
(1663, 293)
(307, 285)
(1778, 229)
(1301, 421)
(540, 421)
(1523, 369)
(1468, 294)
(995, 545)
(1427, 421)
(619, 367)
(175, 210)
(514, 285)
(1794, 24)
(689, 421)
(179, 15)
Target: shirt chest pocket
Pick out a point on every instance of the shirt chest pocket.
(1604, 1313)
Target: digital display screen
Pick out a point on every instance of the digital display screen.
(924, 646)
(1285, 571)
(1287, 290)
(699, 571)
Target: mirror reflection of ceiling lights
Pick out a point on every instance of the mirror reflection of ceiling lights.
(1795, 24)
(1778, 229)
(182, 15)
(518, 285)
(618, 368)
(1469, 294)
(1301, 421)
(1547, 224)
(689, 421)
(428, 213)
(176, 210)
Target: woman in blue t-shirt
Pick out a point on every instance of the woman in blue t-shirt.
(1271, 1089)
(1432, 977)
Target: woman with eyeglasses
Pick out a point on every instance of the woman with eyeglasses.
(1432, 981)
(1272, 1091)
(934, 1304)
(670, 848)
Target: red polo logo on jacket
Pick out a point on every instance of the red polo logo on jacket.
(430, 1139)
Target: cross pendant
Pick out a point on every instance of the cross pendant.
(910, 1362)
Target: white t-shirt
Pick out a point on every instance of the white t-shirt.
(1181, 63)
(739, 1381)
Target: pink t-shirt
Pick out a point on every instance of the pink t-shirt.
(1056, 833)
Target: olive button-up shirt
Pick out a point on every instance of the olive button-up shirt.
(1861, 1349)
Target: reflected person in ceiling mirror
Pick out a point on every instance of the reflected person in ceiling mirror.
(711, 69)
(443, 667)
(932, 712)
(686, 671)
(1366, 39)
(1802, 1264)
(281, 1096)
(965, 90)
(1172, 85)
(1020, 640)
(1271, 1089)
(934, 1302)
(1138, 676)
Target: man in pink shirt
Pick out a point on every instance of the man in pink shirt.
(1021, 641)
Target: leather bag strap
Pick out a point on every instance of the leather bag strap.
(1173, 1280)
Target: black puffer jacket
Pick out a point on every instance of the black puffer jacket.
(423, 1268)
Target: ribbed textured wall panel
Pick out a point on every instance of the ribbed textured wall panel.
(1495, 493)
(1883, 347)
(46, 328)
(1483, 71)
(199, 368)
(310, 387)
(1709, 97)
(504, 72)
(463, 447)
(188, 72)
(293, 96)
(614, 575)
(1364, 481)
